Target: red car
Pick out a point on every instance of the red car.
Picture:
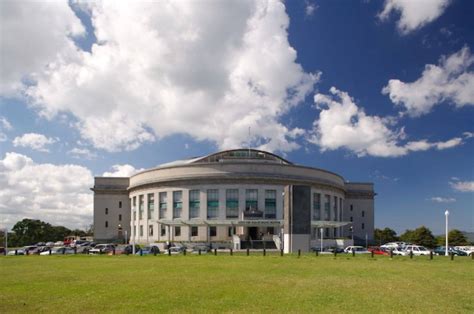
(379, 251)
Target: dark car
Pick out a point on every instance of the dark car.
(441, 250)
(129, 249)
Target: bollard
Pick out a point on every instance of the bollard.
(16, 252)
(281, 252)
(169, 252)
(49, 251)
(141, 252)
(452, 256)
(264, 252)
(317, 253)
(64, 251)
(391, 253)
(127, 252)
(184, 252)
(75, 250)
(248, 251)
(215, 252)
(231, 252)
(411, 254)
(353, 253)
(113, 251)
(472, 255)
(299, 253)
(100, 251)
(372, 254)
(27, 252)
(154, 252)
(199, 251)
(335, 253)
(431, 255)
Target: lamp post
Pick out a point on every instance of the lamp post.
(351, 228)
(322, 236)
(446, 213)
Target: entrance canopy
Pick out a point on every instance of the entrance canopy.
(217, 222)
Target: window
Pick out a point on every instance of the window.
(212, 231)
(106, 224)
(231, 231)
(335, 208)
(251, 199)
(141, 205)
(141, 230)
(163, 204)
(352, 207)
(270, 230)
(232, 203)
(134, 214)
(314, 233)
(134, 231)
(177, 204)
(120, 217)
(194, 231)
(327, 200)
(212, 203)
(335, 232)
(352, 219)
(326, 232)
(134, 202)
(106, 211)
(150, 230)
(177, 231)
(151, 205)
(270, 204)
(163, 230)
(316, 206)
(194, 204)
(363, 213)
(363, 226)
(120, 204)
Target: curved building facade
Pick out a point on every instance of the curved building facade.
(231, 198)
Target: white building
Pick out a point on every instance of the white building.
(238, 198)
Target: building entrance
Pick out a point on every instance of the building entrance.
(253, 233)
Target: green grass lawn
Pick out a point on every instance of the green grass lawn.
(236, 283)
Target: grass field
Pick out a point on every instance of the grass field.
(235, 284)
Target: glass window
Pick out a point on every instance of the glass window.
(251, 199)
(177, 204)
(352, 207)
(134, 231)
(212, 231)
(270, 230)
(134, 201)
(177, 231)
(231, 231)
(194, 204)
(134, 214)
(351, 219)
(327, 200)
(163, 230)
(141, 205)
(163, 204)
(363, 213)
(316, 206)
(363, 226)
(141, 230)
(151, 205)
(120, 217)
(106, 211)
(212, 203)
(106, 224)
(120, 204)
(194, 231)
(335, 208)
(232, 203)
(270, 204)
(150, 230)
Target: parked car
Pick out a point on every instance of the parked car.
(416, 249)
(395, 245)
(379, 250)
(58, 251)
(102, 249)
(59, 243)
(15, 252)
(469, 250)
(51, 244)
(441, 250)
(356, 249)
(2, 250)
(147, 250)
(202, 247)
(129, 249)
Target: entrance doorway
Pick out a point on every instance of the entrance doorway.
(253, 233)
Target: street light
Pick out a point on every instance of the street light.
(351, 229)
(322, 235)
(446, 213)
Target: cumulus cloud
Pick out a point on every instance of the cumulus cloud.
(451, 81)
(58, 194)
(34, 35)
(462, 186)
(82, 153)
(342, 124)
(34, 141)
(413, 14)
(439, 199)
(122, 171)
(162, 68)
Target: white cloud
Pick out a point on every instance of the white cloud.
(463, 186)
(58, 194)
(82, 153)
(162, 68)
(414, 14)
(310, 8)
(34, 141)
(34, 35)
(4, 126)
(439, 199)
(122, 171)
(342, 124)
(452, 81)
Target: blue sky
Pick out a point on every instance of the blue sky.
(375, 91)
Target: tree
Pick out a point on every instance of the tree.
(455, 238)
(385, 235)
(30, 231)
(421, 236)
